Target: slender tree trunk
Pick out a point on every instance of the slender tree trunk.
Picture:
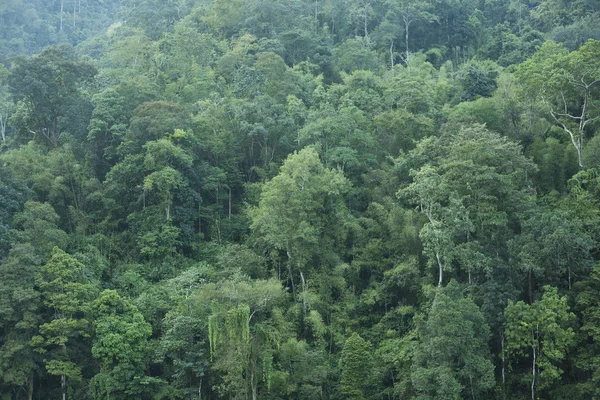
(63, 377)
(472, 390)
(533, 376)
(30, 391)
(303, 293)
(392, 53)
(437, 256)
(290, 270)
(530, 286)
(62, 7)
(63, 386)
(3, 127)
(252, 383)
(407, 51)
(503, 367)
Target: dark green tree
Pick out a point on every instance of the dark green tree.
(49, 84)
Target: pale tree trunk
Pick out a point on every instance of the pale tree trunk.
(3, 127)
(62, 7)
(441, 267)
(63, 386)
(407, 23)
(582, 120)
(63, 377)
(533, 375)
(438, 256)
(392, 53)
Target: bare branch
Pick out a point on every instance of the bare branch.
(590, 120)
(571, 134)
(568, 115)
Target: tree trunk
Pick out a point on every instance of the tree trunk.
(533, 376)
(63, 386)
(3, 128)
(406, 25)
(252, 383)
(303, 293)
(437, 256)
(62, 7)
(291, 272)
(392, 53)
(503, 370)
(530, 278)
(30, 391)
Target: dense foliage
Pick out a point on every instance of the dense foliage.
(299, 199)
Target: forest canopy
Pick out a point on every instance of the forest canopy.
(299, 199)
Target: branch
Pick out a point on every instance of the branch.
(571, 135)
(568, 115)
(590, 120)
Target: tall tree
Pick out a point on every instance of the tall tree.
(120, 342)
(452, 359)
(356, 363)
(299, 211)
(542, 330)
(67, 293)
(568, 84)
(49, 85)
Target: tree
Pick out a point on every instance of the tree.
(543, 330)
(588, 296)
(452, 358)
(49, 86)
(13, 195)
(356, 364)
(120, 343)
(554, 243)
(471, 191)
(300, 210)
(37, 225)
(4, 103)
(241, 339)
(568, 84)
(411, 11)
(66, 292)
(20, 317)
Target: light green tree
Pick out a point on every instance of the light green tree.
(568, 85)
(541, 332)
(356, 364)
(300, 211)
(65, 290)
(120, 343)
